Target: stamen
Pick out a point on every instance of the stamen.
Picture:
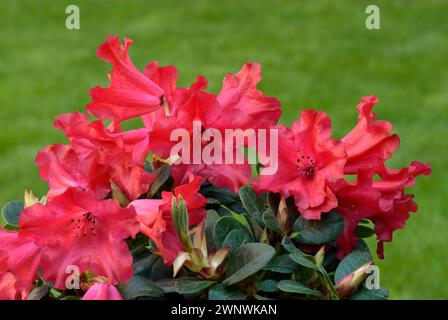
(305, 165)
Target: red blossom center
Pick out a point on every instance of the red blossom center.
(305, 165)
(84, 225)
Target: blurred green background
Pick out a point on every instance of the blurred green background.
(314, 54)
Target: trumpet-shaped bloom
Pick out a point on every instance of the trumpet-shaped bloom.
(130, 93)
(240, 92)
(309, 160)
(370, 143)
(61, 167)
(77, 230)
(120, 153)
(382, 201)
(20, 257)
(239, 96)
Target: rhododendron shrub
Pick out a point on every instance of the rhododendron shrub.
(125, 218)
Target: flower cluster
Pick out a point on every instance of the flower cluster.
(115, 195)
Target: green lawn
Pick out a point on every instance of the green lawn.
(314, 54)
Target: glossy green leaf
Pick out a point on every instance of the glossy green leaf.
(11, 214)
(221, 292)
(319, 232)
(191, 285)
(223, 227)
(140, 286)
(297, 287)
(351, 263)
(270, 221)
(247, 260)
(251, 202)
(282, 264)
(268, 285)
(210, 222)
(302, 260)
(236, 238)
(364, 231)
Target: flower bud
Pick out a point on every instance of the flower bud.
(350, 283)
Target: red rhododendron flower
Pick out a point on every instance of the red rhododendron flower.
(240, 92)
(382, 201)
(130, 93)
(203, 107)
(308, 161)
(61, 167)
(122, 154)
(23, 257)
(76, 229)
(370, 143)
(156, 219)
(19, 261)
(239, 95)
(356, 201)
(165, 78)
(8, 285)
(102, 291)
(395, 203)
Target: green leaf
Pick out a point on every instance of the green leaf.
(236, 238)
(210, 222)
(181, 222)
(297, 287)
(69, 298)
(218, 195)
(140, 286)
(370, 294)
(303, 261)
(158, 270)
(351, 263)
(241, 219)
(362, 246)
(297, 255)
(191, 285)
(163, 174)
(270, 221)
(268, 286)
(11, 214)
(144, 263)
(326, 280)
(118, 195)
(330, 258)
(223, 227)
(221, 292)
(289, 246)
(250, 202)
(38, 293)
(53, 293)
(168, 285)
(247, 260)
(148, 167)
(319, 232)
(282, 264)
(363, 231)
